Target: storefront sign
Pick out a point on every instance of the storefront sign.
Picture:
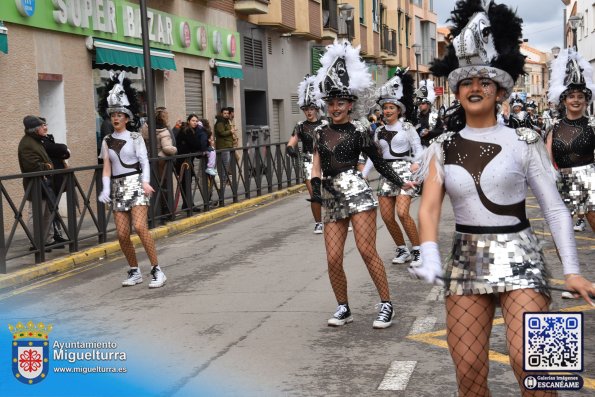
(26, 7)
(119, 20)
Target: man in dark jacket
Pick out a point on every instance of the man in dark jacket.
(32, 158)
(224, 140)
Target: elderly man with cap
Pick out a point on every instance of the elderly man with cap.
(33, 158)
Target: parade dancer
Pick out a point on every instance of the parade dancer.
(486, 169)
(571, 141)
(338, 185)
(401, 148)
(303, 131)
(126, 178)
(429, 122)
(518, 117)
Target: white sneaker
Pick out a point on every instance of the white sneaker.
(402, 255)
(349, 229)
(318, 228)
(568, 295)
(134, 277)
(157, 278)
(211, 171)
(580, 225)
(415, 257)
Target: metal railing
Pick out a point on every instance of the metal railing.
(253, 171)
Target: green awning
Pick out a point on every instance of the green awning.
(113, 53)
(3, 41)
(229, 70)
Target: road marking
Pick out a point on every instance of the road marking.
(421, 325)
(397, 376)
(435, 294)
(432, 338)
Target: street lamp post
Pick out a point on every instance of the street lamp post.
(417, 50)
(346, 11)
(574, 22)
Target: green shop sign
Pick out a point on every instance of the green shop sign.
(119, 20)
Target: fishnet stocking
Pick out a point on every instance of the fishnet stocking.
(364, 231)
(387, 213)
(335, 234)
(403, 203)
(137, 217)
(514, 304)
(469, 324)
(314, 207)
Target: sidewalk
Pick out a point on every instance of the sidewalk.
(75, 259)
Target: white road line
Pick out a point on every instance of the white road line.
(421, 325)
(397, 376)
(436, 294)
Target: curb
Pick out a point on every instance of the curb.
(75, 259)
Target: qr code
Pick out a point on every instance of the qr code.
(553, 341)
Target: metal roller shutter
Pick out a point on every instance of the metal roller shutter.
(193, 91)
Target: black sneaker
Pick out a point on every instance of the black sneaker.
(385, 315)
(341, 317)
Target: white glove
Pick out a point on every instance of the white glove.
(431, 265)
(104, 196)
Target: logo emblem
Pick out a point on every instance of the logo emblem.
(30, 351)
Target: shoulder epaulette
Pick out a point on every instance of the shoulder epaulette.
(591, 121)
(447, 136)
(135, 135)
(528, 135)
(407, 125)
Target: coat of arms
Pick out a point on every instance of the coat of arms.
(30, 351)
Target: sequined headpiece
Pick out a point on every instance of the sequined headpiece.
(119, 96)
(570, 72)
(531, 105)
(398, 90)
(516, 100)
(306, 97)
(425, 93)
(342, 74)
(486, 44)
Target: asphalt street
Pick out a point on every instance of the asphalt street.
(245, 306)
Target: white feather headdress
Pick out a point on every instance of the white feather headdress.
(344, 75)
(570, 71)
(306, 96)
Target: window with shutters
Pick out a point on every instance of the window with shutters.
(316, 54)
(193, 92)
(253, 55)
(295, 109)
(270, 45)
(248, 52)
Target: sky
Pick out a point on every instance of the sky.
(543, 20)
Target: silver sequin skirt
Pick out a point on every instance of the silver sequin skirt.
(494, 263)
(387, 188)
(307, 165)
(127, 192)
(346, 194)
(577, 188)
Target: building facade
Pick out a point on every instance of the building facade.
(59, 55)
